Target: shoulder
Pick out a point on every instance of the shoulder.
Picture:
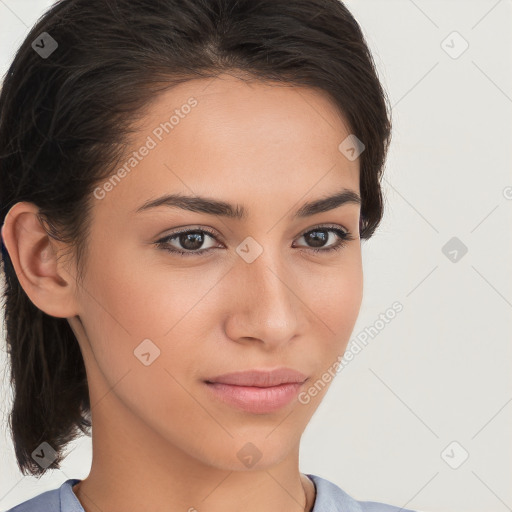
(331, 498)
(62, 499)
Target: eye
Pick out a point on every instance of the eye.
(192, 240)
(320, 235)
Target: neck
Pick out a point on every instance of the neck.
(136, 468)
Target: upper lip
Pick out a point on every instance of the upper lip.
(260, 378)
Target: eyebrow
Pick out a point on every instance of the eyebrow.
(238, 212)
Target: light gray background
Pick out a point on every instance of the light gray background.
(438, 372)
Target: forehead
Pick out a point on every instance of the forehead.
(232, 109)
(223, 136)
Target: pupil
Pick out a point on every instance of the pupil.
(317, 240)
(197, 240)
(194, 241)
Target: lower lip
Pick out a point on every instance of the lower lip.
(254, 399)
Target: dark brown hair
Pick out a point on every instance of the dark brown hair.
(66, 118)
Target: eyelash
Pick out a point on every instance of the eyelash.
(344, 237)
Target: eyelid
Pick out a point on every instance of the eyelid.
(193, 227)
(163, 241)
(325, 226)
(215, 234)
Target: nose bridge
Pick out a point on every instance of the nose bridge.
(266, 296)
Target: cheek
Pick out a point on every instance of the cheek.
(129, 300)
(134, 299)
(125, 305)
(142, 299)
(335, 304)
(334, 293)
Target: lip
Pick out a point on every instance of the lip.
(260, 378)
(257, 391)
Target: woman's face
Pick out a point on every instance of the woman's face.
(159, 324)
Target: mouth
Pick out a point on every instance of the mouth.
(260, 378)
(256, 391)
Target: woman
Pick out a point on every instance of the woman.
(184, 191)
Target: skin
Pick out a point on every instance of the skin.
(160, 442)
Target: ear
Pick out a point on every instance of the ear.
(34, 255)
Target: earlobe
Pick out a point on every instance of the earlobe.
(34, 256)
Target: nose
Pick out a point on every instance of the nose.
(266, 306)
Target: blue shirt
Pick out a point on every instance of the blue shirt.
(329, 498)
